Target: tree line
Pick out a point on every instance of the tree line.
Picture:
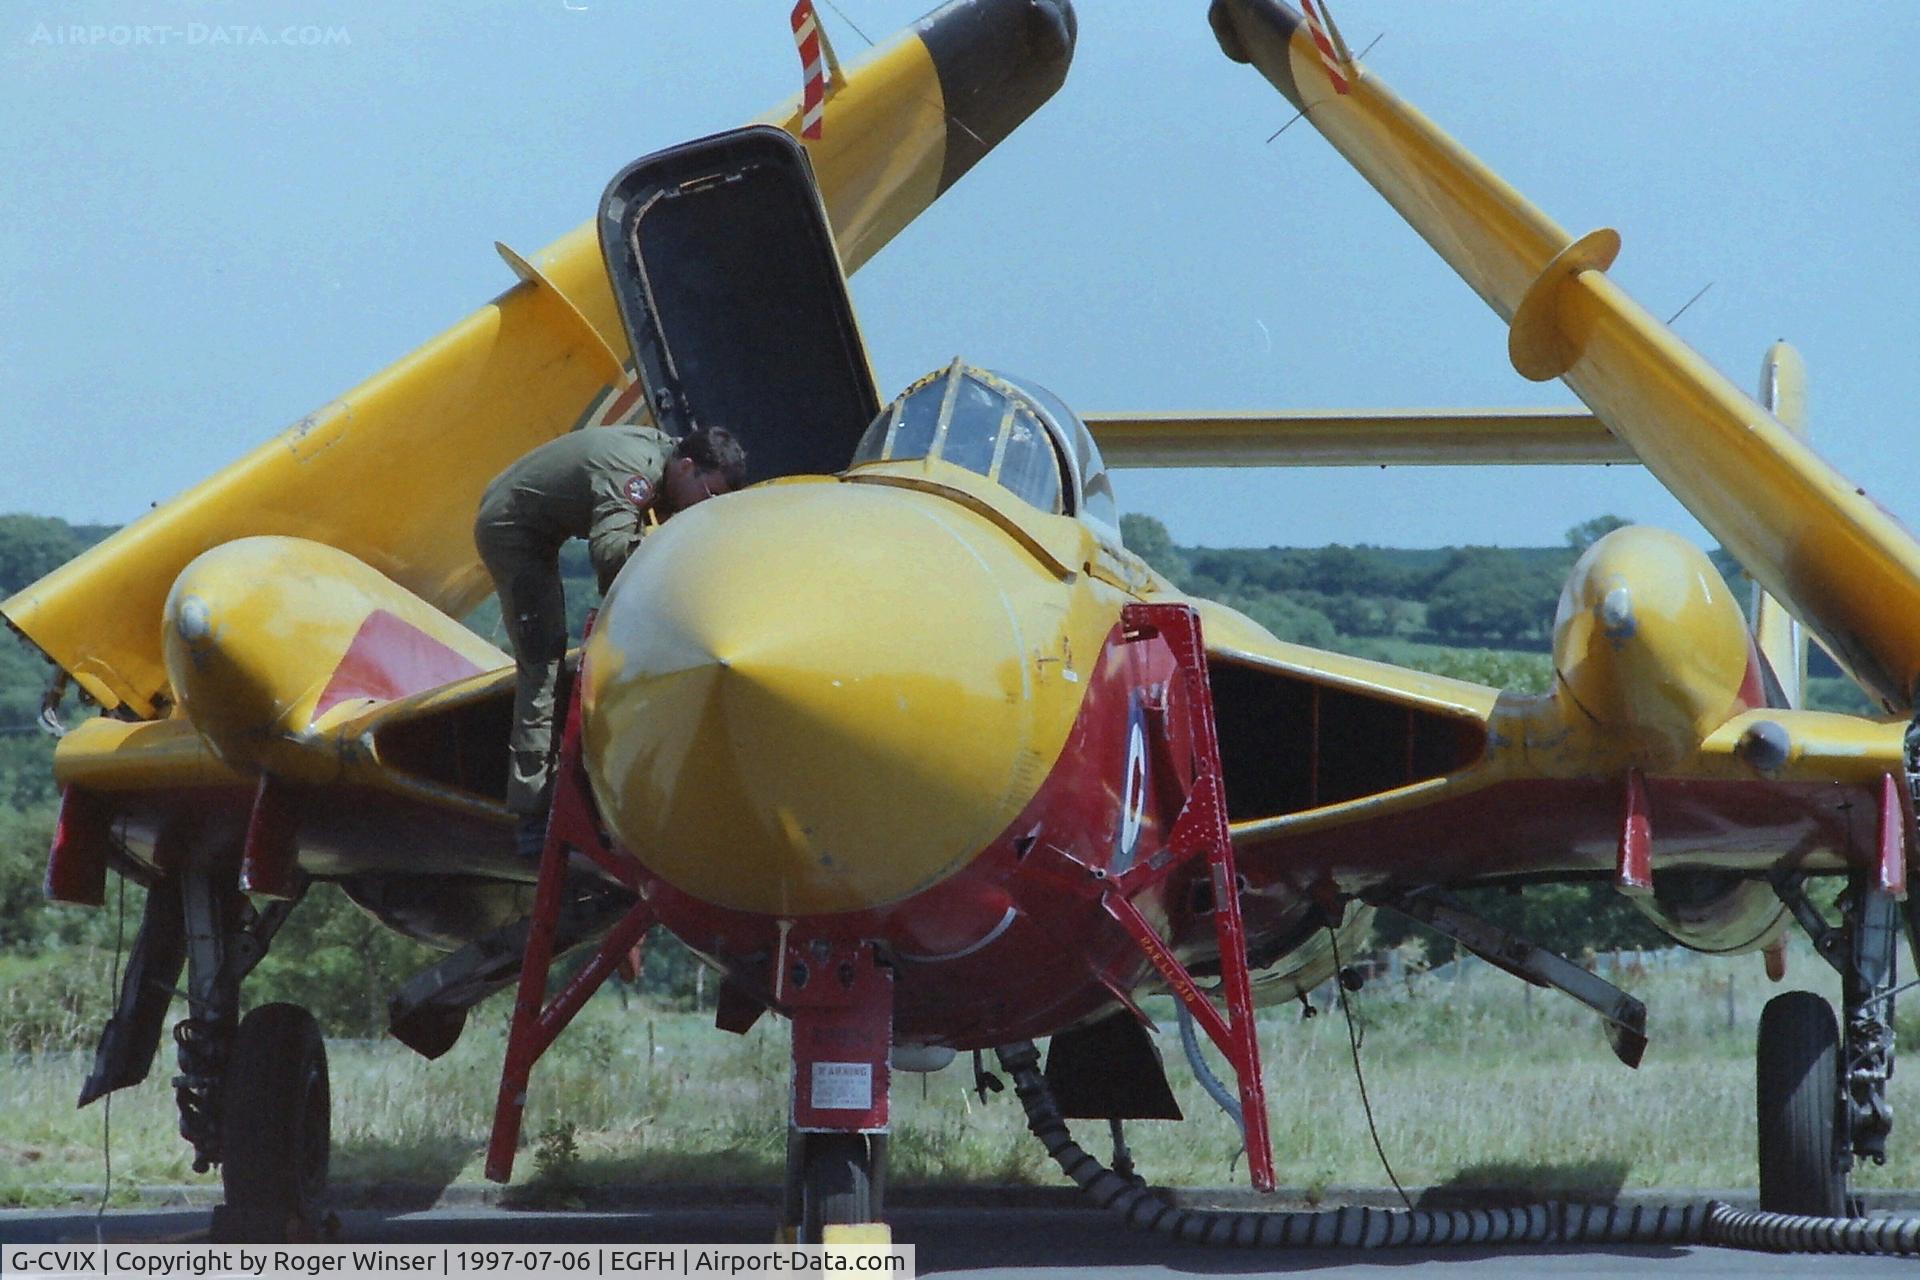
(1472, 596)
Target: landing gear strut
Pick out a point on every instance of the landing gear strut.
(225, 938)
(1821, 1092)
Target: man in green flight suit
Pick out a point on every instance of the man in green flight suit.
(598, 483)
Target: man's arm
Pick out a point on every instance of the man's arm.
(616, 531)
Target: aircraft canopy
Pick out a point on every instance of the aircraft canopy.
(1019, 435)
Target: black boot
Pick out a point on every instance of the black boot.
(530, 836)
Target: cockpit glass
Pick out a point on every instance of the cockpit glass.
(911, 433)
(973, 430)
(974, 420)
(1096, 502)
(1028, 465)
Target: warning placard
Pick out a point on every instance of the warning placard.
(842, 1086)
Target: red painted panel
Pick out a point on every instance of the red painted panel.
(1634, 872)
(269, 861)
(391, 658)
(1892, 872)
(77, 862)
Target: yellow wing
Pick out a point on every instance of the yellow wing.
(392, 471)
(1809, 535)
(1354, 438)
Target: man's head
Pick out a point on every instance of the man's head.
(708, 463)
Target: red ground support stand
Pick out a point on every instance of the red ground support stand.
(1202, 827)
(571, 826)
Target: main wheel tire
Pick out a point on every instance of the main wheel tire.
(276, 1116)
(836, 1182)
(1797, 1091)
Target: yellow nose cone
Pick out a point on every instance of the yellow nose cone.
(1649, 642)
(814, 697)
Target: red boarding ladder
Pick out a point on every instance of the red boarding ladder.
(1201, 827)
(573, 825)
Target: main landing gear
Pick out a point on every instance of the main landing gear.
(275, 1115)
(1797, 1106)
(1821, 1088)
(253, 1093)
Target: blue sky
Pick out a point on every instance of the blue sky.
(204, 237)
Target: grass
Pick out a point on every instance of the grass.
(1473, 1082)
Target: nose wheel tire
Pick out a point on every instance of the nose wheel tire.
(276, 1118)
(836, 1182)
(1798, 1094)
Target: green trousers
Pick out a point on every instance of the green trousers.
(533, 607)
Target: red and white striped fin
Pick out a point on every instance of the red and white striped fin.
(813, 65)
(1333, 56)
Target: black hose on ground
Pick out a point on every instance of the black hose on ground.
(1707, 1222)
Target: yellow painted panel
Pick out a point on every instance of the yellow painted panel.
(1783, 390)
(881, 150)
(108, 755)
(1648, 644)
(1231, 636)
(1822, 746)
(1495, 239)
(102, 754)
(391, 473)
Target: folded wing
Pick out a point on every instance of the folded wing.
(1810, 536)
(391, 472)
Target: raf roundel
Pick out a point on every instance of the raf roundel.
(640, 491)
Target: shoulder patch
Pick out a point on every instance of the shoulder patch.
(639, 491)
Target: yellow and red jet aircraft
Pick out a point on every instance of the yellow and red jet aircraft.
(904, 740)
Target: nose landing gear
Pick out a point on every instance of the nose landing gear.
(840, 997)
(834, 1188)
